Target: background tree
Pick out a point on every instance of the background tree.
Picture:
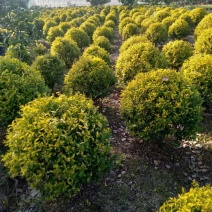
(128, 2)
(98, 2)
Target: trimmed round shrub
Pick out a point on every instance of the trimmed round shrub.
(62, 145)
(110, 24)
(52, 69)
(79, 36)
(198, 70)
(103, 31)
(65, 26)
(140, 57)
(146, 23)
(160, 104)
(54, 32)
(65, 49)
(176, 52)
(19, 84)
(160, 15)
(197, 14)
(94, 20)
(88, 27)
(38, 24)
(179, 29)
(47, 25)
(111, 17)
(205, 23)
(138, 19)
(90, 76)
(124, 22)
(204, 42)
(196, 199)
(123, 15)
(103, 42)
(133, 40)
(130, 30)
(186, 16)
(157, 33)
(168, 21)
(97, 51)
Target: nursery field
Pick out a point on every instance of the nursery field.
(106, 108)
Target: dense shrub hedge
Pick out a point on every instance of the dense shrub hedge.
(196, 199)
(133, 40)
(79, 36)
(159, 104)
(130, 30)
(19, 84)
(65, 49)
(54, 32)
(140, 57)
(103, 42)
(97, 51)
(52, 69)
(62, 145)
(103, 31)
(198, 69)
(157, 33)
(90, 76)
(205, 23)
(176, 52)
(197, 14)
(204, 42)
(179, 29)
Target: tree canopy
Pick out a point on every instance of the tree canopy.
(128, 2)
(98, 2)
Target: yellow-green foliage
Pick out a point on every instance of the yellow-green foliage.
(65, 26)
(197, 15)
(58, 145)
(79, 36)
(90, 76)
(130, 30)
(21, 52)
(179, 29)
(103, 42)
(186, 16)
(47, 25)
(146, 23)
(112, 17)
(159, 104)
(51, 67)
(205, 23)
(196, 199)
(168, 21)
(54, 32)
(94, 20)
(124, 22)
(40, 48)
(88, 27)
(131, 41)
(138, 19)
(110, 24)
(204, 42)
(19, 84)
(97, 51)
(176, 52)
(160, 15)
(140, 57)
(198, 69)
(157, 33)
(103, 31)
(65, 49)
